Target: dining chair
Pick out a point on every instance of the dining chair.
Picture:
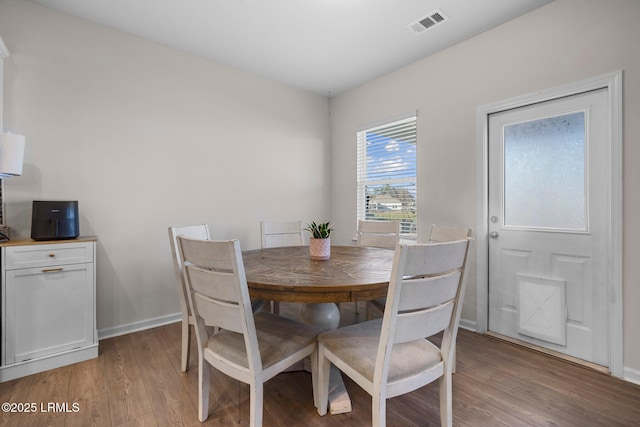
(438, 233)
(199, 232)
(279, 234)
(392, 355)
(250, 347)
(379, 234)
(448, 233)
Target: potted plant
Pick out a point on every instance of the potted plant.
(320, 242)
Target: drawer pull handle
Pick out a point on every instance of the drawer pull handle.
(51, 255)
(51, 270)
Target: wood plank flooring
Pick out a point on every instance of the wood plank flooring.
(136, 381)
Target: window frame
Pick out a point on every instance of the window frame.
(408, 229)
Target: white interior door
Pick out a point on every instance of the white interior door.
(548, 215)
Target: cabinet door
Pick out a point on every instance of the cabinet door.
(49, 310)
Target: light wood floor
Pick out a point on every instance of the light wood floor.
(136, 381)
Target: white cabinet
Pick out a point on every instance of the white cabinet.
(48, 306)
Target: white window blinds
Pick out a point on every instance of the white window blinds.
(387, 173)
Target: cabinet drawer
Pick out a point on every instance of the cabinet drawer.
(30, 256)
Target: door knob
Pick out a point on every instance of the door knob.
(493, 234)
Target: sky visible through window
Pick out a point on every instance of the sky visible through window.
(390, 157)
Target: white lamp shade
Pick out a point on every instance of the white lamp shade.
(11, 154)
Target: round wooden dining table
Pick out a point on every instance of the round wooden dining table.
(352, 273)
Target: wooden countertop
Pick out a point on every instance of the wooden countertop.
(25, 242)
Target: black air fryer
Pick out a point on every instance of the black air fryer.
(54, 220)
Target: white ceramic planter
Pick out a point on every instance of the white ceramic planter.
(320, 249)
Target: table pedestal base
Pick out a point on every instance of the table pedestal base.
(339, 400)
(324, 315)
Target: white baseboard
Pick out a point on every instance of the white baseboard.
(139, 326)
(631, 375)
(470, 325)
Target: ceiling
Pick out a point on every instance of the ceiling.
(323, 46)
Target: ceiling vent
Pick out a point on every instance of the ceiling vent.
(431, 20)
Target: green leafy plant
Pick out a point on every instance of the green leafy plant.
(319, 231)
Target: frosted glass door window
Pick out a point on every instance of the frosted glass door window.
(544, 173)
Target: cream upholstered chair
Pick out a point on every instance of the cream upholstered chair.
(279, 234)
(379, 234)
(198, 232)
(447, 233)
(251, 348)
(438, 233)
(391, 356)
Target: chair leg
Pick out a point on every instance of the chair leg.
(378, 411)
(446, 404)
(256, 402)
(453, 366)
(314, 378)
(203, 387)
(324, 368)
(186, 338)
(275, 307)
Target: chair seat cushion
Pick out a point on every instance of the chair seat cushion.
(278, 337)
(357, 346)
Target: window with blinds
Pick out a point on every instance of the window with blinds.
(387, 174)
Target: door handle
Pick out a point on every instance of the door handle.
(493, 234)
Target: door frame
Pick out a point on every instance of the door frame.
(613, 83)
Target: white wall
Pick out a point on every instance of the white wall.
(146, 137)
(562, 42)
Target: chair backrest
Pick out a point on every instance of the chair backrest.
(278, 234)
(424, 297)
(447, 233)
(380, 234)
(200, 231)
(217, 291)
